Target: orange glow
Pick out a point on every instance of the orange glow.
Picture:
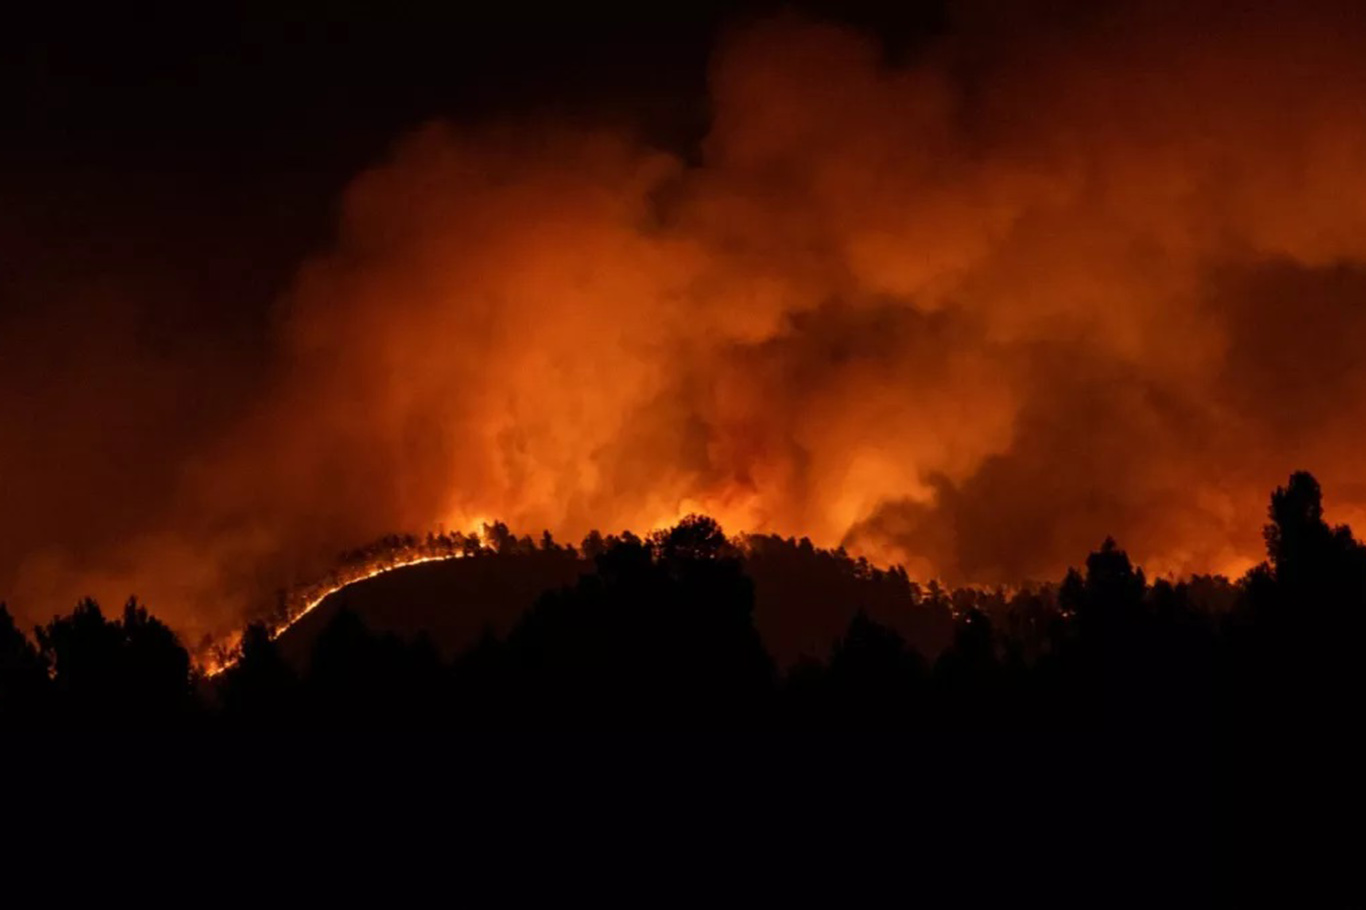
(213, 664)
(1044, 281)
(223, 654)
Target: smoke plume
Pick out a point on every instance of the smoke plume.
(971, 308)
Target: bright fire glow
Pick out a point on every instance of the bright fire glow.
(1049, 278)
(224, 654)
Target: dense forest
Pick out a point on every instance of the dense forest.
(660, 633)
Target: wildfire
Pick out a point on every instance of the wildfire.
(365, 564)
(968, 311)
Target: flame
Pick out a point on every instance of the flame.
(1039, 282)
(223, 654)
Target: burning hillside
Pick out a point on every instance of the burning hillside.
(968, 311)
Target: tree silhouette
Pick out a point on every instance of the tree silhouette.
(1297, 538)
(694, 537)
(156, 667)
(105, 673)
(24, 683)
(661, 635)
(359, 679)
(1114, 589)
(875, 681)
(261, 689)
(969, 677)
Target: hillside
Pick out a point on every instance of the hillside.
(451, 601)
(804, 598)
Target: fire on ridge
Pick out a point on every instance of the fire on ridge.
(968, 311)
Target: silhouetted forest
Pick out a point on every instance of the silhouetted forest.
(661, 633)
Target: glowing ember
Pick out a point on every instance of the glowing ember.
(223, 655)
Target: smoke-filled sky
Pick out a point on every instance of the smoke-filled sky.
(967, 288)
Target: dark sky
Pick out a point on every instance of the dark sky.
(196, 154)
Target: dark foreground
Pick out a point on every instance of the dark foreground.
(1184, 742)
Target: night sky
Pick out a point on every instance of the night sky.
(191, 157)
(965, 286)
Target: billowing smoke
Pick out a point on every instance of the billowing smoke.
(1052, 277)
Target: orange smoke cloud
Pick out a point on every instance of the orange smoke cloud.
(1049, 279)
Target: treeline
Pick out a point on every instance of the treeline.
(385, 553)
(661, 634)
